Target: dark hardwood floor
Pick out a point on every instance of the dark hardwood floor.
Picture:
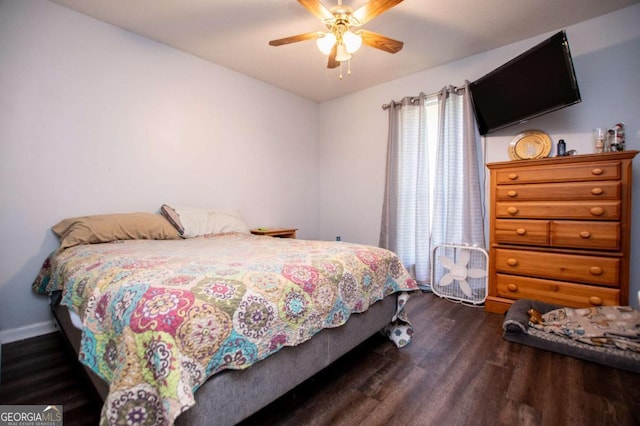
(457, 371)
(43, 370)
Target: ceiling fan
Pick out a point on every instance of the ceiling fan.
(345, 36)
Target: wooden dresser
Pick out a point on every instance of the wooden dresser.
(560, 230)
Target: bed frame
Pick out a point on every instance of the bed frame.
(231, 396)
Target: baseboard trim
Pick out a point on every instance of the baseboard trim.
(27, 331)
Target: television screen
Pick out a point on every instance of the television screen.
(539, 81)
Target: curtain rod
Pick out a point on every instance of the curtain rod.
(415, 98)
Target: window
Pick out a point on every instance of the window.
(433, 189)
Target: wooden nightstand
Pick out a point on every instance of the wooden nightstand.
(275, 232)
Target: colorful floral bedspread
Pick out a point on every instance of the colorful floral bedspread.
(160, 317)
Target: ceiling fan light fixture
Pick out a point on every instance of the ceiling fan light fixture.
(340, 42)
(326, 42)
(352, 41)
(342, 54)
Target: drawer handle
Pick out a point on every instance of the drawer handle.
(595, 270)
(512, 262)
(513, 176)
(521, 231)
(595, 300)
(512, 193)
(585, 234)
(513, 210)
(597, 172)
(596, 211)
(512, 287)
(597, 191)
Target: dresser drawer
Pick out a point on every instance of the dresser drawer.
(556, 292)
(588, 210)
(607, 190)
(610, 170)
(563, 267)
(585, 234)
(527, 232)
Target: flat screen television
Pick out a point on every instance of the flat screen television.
(538, 81)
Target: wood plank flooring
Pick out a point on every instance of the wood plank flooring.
(43, 370)
(457, 371)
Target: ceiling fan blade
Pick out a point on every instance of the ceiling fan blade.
(332, 63)
(294, 39)
(317, 9)
(367, 12)
(380, 42)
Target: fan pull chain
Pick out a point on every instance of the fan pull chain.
(348, 68)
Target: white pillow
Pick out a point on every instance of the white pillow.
(198, 221)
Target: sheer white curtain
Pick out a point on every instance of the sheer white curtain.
(406, 207)
(431, 198)
(458, 196)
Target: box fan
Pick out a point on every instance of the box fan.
(459, 273)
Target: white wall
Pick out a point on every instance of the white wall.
(353, 129)
(94, 119)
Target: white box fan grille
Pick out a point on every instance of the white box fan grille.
(459, 272)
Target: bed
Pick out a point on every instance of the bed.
(241, 319)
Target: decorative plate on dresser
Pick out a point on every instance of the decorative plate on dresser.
(560, 230)
(530, 144)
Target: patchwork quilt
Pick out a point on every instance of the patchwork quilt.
(160, 317)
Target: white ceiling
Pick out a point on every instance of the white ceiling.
(235, 34)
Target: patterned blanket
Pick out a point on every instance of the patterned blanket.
(613, 326)
(160, 317)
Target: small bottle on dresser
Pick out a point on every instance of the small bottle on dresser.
(562, 148)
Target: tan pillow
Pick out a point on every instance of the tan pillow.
(111, 227)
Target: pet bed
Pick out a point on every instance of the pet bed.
(517, 329)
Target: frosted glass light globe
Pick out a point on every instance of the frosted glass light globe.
(326, 42)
